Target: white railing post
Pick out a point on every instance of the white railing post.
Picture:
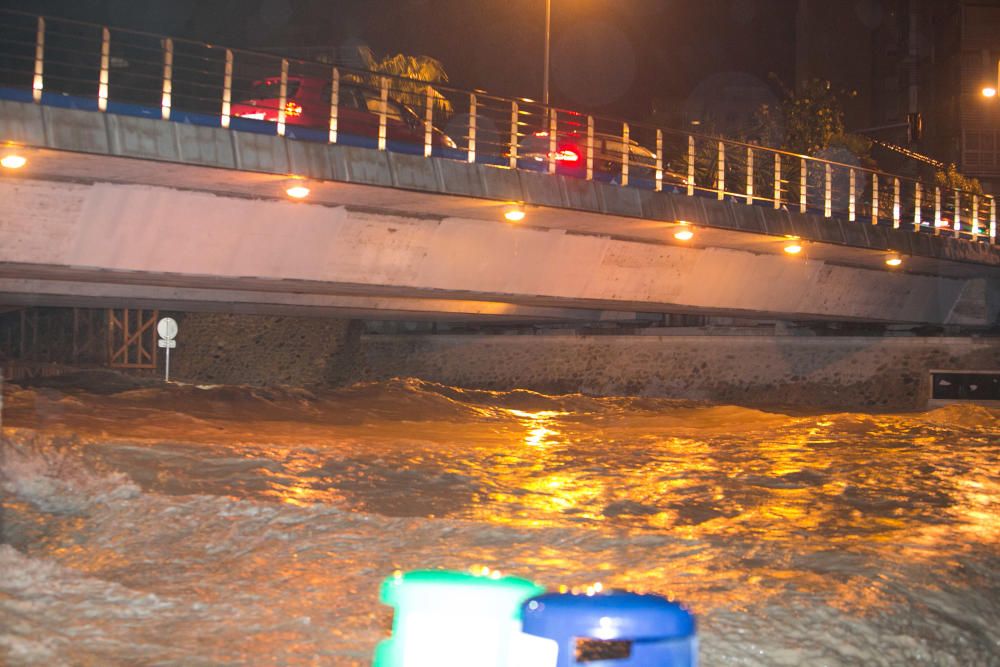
(472, 129)
(975, 216)
(514, 124)
(553, 139)
(168, 75)
(282, 97)
(690, 166)
(957, 226)
(37, 82)
(777, 181)
(429, 122)
(852, 196)
(102, 87)
(828, 192)
(803, 184)
(383, 112)
(334, 104)
(993, 219)
(227, 89)
(720, 173)
(937, 210)
(874, 198)
(625, 140)
(659, 161)
(895, 203)
(590, 148)
(749, 175)
(917, 203)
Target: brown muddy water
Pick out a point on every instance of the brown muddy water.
(185, 525)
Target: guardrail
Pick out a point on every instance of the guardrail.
(70, 63)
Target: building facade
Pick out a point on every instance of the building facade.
(902, 57)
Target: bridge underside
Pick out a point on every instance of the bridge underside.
(60, 288)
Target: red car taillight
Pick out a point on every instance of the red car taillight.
(566, 154)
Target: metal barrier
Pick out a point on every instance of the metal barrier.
(61, 62)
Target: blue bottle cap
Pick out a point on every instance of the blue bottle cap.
(609, 615)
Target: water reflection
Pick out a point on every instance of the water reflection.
(695, 471)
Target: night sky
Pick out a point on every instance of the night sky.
(622, 57)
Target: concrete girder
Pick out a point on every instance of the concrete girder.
(136, 234)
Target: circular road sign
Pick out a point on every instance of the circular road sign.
(167, 328)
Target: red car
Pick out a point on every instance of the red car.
(307, 104)
(571, 152)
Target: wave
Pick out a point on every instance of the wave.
(51, 476)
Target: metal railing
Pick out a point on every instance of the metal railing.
(70, 63)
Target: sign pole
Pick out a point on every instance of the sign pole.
(167, 328)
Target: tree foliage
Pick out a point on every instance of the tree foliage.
(950, 178)
(809, 121)
(415, 74)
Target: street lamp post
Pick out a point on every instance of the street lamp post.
(548, 32)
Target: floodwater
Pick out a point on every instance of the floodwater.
(233, 526)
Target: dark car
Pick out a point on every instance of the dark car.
(571, 156)
(307, 104)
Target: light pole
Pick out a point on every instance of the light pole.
(548, 34)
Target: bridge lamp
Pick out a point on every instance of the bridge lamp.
(685, 233)
(13, 161)
(793, 246)
(894, 261)
(297, 190)
(514, 213)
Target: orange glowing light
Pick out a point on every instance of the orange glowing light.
(514, 213)
(13, 161)
(297, 191)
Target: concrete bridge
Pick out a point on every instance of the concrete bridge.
(114, 210)
(117, 209)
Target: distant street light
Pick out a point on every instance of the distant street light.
(991, 91)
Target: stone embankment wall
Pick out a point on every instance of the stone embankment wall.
(264, 350)
(870, 373)
(807, 372)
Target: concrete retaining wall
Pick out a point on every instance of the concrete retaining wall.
(804, 372)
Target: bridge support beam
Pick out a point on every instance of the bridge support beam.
(151, 238)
